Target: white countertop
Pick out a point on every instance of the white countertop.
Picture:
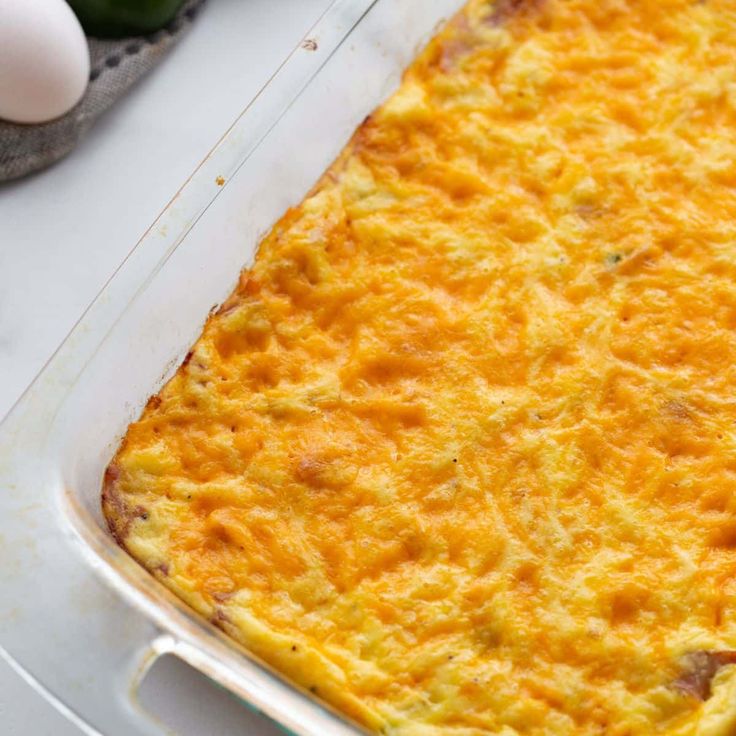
(64, 231)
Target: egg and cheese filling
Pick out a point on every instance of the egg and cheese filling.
(458, 455)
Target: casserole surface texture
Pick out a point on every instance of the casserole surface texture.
(458, 455)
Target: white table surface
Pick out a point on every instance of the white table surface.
(64, 231)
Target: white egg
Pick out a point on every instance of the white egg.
(44, 60)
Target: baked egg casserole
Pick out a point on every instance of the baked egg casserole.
(458, 454)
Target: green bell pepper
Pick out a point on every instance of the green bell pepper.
(117, 18)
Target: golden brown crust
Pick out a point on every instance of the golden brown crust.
(458, 450)
(114, 507)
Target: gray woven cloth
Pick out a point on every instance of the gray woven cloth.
(115, 66)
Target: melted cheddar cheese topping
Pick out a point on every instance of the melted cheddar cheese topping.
(459, 453)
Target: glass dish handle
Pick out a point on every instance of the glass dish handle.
(103, 702)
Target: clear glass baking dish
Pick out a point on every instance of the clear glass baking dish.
(78, 618)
